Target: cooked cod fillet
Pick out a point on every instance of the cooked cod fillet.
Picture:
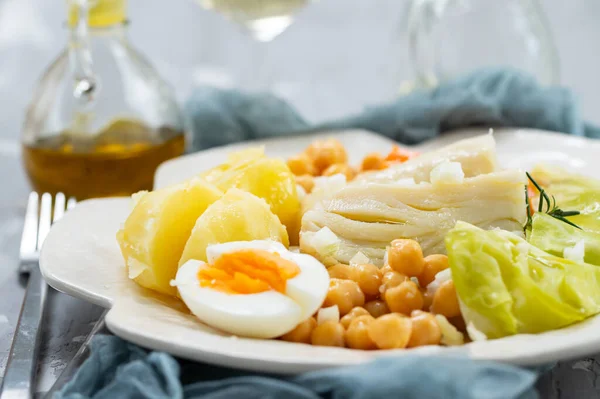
(476, 155)
(367, 217)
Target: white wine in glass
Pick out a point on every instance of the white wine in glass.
(265, 19)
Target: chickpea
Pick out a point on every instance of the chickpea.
(302, 332)
(353, 314)
(427, 299)
(390, 331)
(307, 182)
(390, 280)
(330, 333)
(325, 153)
(445, 300)
(386, 268)
(342, 168)
(432, 266)
(357, 334)
(377, 308)
(406, 257)
(404, 298)
(341, 271)
(346, 294)
(301, 164)
(368, 278)
(373, 161)
(425, 329)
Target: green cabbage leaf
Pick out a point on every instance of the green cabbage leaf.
(508, 286)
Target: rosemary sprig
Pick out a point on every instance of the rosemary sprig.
(550, 205)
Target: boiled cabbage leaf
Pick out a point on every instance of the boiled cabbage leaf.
(553, 236)
(507, 286)
(572, 192)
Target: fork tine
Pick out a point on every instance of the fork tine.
(45, 218)
(71, 203)
(29, 238)
(59, 207)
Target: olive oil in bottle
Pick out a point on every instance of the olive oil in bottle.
(101, 119)
(119, 161)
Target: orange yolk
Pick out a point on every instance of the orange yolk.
(248, 271)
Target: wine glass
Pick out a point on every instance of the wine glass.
(264, 19)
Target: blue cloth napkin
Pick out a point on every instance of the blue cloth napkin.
(490, 98)
(117, 369)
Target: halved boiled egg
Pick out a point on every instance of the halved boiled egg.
(253, 288)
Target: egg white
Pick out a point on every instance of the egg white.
(263, 315)
(308, 288)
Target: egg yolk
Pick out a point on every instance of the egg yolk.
(248, 271)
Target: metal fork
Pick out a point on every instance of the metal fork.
(22, 360)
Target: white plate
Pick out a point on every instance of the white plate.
(81, 257)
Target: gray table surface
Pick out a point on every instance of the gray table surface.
(186, 44)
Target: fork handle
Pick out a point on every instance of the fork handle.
(22, 361)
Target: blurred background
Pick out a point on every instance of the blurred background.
(337, 57)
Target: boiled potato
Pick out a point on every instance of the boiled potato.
(154, 235)
(237, 216)
(269, 179)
